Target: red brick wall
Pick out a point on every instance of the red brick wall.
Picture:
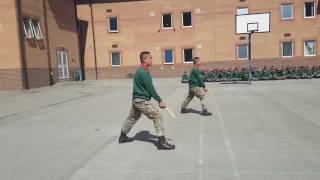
(10, 79)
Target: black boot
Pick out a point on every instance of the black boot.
(124, 138)
(163, 145)
(206, 113)
(183, 110)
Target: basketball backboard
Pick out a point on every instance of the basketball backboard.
(247, 23)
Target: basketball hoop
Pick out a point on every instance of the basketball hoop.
(252, 27)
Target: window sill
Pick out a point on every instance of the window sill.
(309, 17)
(115, 66)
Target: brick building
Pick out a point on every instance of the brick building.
(39, 43)
(112, 33)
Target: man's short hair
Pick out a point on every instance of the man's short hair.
(144, 55)
(195, 60)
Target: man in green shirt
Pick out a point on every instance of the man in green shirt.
(143, 91)
(196, 88)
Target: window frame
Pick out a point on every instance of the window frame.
(292, 11)
(111, 60)
(26, 35)
(36, 35)
(183, 56)
(238, 57)
(171, 19)
(109, 25)
(238, 8)
(164, 56)
(282, 49)
(315, 48)
(182, 18)
(314, 10)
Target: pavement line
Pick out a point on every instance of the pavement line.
(42, 107)
(227, 142)
(74, 167)
(205, 172)
(200, 150)
(266, 151)
(285, 108)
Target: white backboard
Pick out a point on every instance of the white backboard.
(249, 21)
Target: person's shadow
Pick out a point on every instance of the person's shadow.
(190, 110)
(146, 137)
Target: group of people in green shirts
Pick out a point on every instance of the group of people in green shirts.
(144, 90)
(258, 74)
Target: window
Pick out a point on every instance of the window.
(32, 28)
(115, 59)
(287, 11)
(187, 55)
(113, 24)
(27, 27)
(187, 19)
(36, 28)
(243, 52)
(309, 48)
(287, 49)
(243, 10)
(166, 21)
(309, 9)
(168, 56)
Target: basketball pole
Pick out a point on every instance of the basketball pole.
(249, 59)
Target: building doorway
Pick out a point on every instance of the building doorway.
(63, 65)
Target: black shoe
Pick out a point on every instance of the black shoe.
(183, 110)
(124, 138)
(163, 145)
(206, 113)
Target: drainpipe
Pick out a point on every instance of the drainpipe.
(24, 73)
(51, 77)
(94, 38)
(81, 66)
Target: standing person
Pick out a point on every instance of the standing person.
(143, 90)
(196, 88)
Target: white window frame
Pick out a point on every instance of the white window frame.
(25, 30)
(282, 50)
(170, 20)
(109, 25)
(242, 8)
(247, 52)
(164, 56)
(186, 62)
(315, 48)
(183, 26)
(112, 65)
(314, 9)
(36, 35)
(292, 11)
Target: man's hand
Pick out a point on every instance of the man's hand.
(162, 105)
(205, 89)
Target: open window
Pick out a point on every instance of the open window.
(186, 19)
(167, 21)
(113, 24)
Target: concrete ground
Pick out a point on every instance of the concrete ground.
(267, 131)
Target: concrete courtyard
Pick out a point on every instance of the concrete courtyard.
(267, 131)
